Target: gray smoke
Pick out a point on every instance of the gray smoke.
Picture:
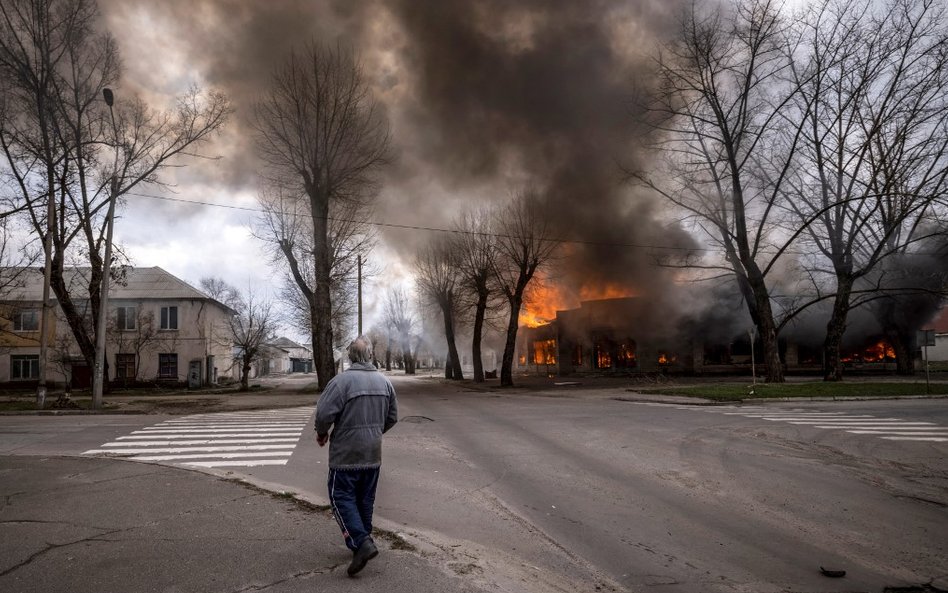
(485, 98)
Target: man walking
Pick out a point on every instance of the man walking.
(359, 405)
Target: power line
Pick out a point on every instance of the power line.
(412, 227)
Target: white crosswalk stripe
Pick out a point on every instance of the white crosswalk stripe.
(887, 428)
(227, 439)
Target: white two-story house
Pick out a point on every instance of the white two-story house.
(160, 328)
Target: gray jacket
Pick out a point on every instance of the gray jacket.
(359, 404)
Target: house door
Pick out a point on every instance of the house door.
(194, 374)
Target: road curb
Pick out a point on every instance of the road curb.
(699, 401)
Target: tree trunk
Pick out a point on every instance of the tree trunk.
(763, 317)
(74, 318)
(407, 357)
(245, 375)
(322, 299)
(774, 366)
(454, 361)
(479, 312)
(388, 358)
(904, 347)
(510, 345)
(835, 328)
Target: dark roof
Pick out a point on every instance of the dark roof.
(138, 284)
(286, 343)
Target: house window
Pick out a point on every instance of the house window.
(26, 321)
(578, 356)
(167, 366)
(125, 318)
(125, 366)
(169, 318)
(544, 352)
(24, 367)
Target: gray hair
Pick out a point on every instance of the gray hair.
(360, 350)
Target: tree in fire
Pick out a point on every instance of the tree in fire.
(872, 162)
(524, 245)
(323, 140)
(828, 133)
(717, 109)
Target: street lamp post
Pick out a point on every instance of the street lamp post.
(98, 378)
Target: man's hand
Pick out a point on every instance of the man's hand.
(322, 439)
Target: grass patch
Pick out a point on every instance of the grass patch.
(28, 404)
(730, 392)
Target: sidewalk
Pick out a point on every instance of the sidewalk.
(286, 391)
(81, 524)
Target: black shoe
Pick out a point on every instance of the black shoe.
(361, 557)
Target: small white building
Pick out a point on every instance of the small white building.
(278, 357)
(939, 352)
(290, 357)
(160, 328)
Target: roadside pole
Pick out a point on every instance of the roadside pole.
(927, 338)
(750, 334)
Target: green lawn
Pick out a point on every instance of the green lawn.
(734, 391)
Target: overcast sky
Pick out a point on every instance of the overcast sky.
(484, 98)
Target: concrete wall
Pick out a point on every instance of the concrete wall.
(203, 332)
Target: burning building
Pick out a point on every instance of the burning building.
(629, 335)
(615, 334)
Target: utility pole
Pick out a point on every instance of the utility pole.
(359, 262)
(47, 307)
(98, 378)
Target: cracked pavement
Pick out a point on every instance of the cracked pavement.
(105, 525)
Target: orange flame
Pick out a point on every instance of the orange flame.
(879, 351)
(544, 352)
(545, 299)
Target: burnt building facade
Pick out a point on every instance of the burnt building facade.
(631, 335)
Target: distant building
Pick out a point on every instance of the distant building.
(289, 357)
(281, 356)
(159, 329)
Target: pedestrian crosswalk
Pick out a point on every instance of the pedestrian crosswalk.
(228, 439)
(885, 427)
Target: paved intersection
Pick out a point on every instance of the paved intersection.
(230, 439)
(887, 427)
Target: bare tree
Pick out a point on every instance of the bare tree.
(524, 245)
(323, 140)
(380, 343)
(400, 317)
(252, 328)
(222, 292)
(873, 160)
(475, 245)
(69, 155)
(722, 90)
(437, 277)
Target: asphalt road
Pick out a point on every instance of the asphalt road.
(678, 498)
(580, 490)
